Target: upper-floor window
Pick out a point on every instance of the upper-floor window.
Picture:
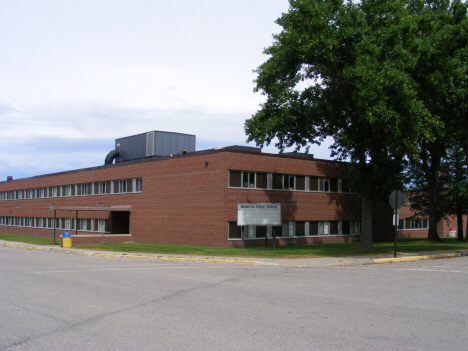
(138, 185)
(324, 184)
(118, 186)
(276, 181)
(238, 179)
(123, 186)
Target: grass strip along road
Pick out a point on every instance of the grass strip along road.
(293, 251)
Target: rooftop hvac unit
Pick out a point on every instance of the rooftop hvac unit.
(150, 144)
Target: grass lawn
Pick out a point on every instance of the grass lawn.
(317, 250)
(30, 239)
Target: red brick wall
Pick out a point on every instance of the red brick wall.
(186, 201)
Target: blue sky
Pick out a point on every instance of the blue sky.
(76, 75)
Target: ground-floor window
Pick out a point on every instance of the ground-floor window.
(84, 224)
(295, 229)
(405, 224)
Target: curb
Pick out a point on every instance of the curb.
(414, 258)
(163, 258)
(355, 261)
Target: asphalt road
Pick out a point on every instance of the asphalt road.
(60, 301)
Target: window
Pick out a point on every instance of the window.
(413, 224)
(123, 186)
(314, 184)
(289, 229)
(401, 224)
(262, 182)
(323, 228)
(313, 228)
(324, 184)
(250, 231)
(238, 179)
(66, 223)
(355, 227)
(235, 179)
(334, 228)
(300, 182)
(83, 189)
(85, 224)
(103, 225)
(66, 190)
(300, 228)
(102, 188)
(248, 180)
(261, 231)
(138, 185)
(277, 181)
(234, 231)
(129, 186)
(334, 185)
(288, 182)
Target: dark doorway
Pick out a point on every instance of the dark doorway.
(120, 222)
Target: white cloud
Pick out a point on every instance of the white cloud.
(78, 74)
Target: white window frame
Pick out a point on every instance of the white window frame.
(138, 186)
(324, 228)
(289, 229)
(322, 181)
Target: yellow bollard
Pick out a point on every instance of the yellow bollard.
(66, 240)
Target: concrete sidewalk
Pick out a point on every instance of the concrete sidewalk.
(288, 262)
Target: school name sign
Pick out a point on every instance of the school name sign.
(258, 214)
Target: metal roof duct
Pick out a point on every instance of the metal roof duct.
(151, 144)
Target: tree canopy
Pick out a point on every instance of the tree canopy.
(358, 72)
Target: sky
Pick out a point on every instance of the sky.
(76, 75)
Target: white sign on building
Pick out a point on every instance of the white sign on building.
(258, 214)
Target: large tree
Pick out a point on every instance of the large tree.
(344, 69)
(440, 75)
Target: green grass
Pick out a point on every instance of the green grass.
(292, 251)
(30, 239)
(297, 251)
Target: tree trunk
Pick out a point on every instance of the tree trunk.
(432, 235)
(433, 192)
(466, 234)
(459, 223)
(366, 227)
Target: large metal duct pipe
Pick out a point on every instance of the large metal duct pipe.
(111, 156)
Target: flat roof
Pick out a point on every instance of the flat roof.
(188, 154)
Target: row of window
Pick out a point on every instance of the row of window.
(84, 224)
(295, 229)
(404, 224)
(274, 181)
(133, 185)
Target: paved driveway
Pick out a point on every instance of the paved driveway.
(60, 301)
